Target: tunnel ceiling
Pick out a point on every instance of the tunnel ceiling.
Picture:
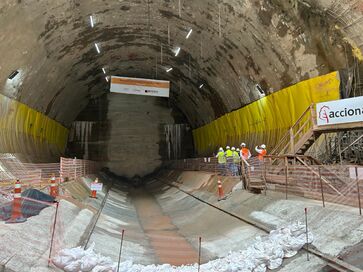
(234, 45)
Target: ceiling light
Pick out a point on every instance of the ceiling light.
(91, 21)
(189, 33)
(97, 48)
(169, 69)
(260, 90)
(103, 70)
(177, 52)
(13, 74)
(201, 86)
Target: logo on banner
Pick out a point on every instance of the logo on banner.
(324, 114)
(342, 111)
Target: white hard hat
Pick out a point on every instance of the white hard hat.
(220, 149)
(237, 149)
(243, 144)
(227, 147)
(233, 148)
(263, 146)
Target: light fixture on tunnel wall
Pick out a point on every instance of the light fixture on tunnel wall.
(91, 21)
(260, 90)
(107, 79)
(177, 51)
(13, 74)
(189, 33)
(169, 69)
(97, 48)
(104, 70)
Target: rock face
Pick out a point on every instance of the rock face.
(129, 138)
(136, 134)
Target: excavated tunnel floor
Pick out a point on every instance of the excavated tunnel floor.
(164, 219)
(162, 223)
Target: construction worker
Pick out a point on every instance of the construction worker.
(245, 152)
(229, 157)
(261, 152)
(221, 161)
(245, 155)
(236, 161)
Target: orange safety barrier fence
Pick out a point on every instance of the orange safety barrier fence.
(38, 175)
(340, 184)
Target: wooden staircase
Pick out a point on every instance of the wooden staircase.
(300, 137)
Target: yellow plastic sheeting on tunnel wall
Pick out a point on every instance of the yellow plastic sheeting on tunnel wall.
(266, 120)
(24, 130)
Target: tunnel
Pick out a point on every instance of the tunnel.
(240, 71)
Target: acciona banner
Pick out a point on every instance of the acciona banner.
(340, 111)
(140, 86)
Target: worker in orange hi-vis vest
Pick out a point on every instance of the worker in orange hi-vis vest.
(245, 152)
(261, 152)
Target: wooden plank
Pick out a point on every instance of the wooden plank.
(338, 127)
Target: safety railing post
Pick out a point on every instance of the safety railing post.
(358, 190)
(199, 252)
(321, 187)
(120, 252)
(243, 169)
(265, 175)
(75, 168)
(53, 233)
(286, 176)
(61, 169)
(292, 145)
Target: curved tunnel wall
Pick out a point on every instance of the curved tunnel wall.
(268, 119)
(31, 133)
(235, 45)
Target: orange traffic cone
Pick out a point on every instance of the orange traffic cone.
(220, 190)
(53, 191)
(16, 214)
(94, 192)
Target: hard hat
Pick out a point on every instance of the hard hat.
(227, 147)
(233, 148)
(263, 146)
(243, 144)
(237, 149)
(220, 149)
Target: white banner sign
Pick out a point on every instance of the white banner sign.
(96, 186)
(340, 111)
(140, 86)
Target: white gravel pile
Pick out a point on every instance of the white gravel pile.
(266, 252)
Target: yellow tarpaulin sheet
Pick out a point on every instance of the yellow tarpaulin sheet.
(266, 120)
(24, 130)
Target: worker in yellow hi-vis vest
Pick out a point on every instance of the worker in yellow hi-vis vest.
(236, 161)
(221, 156)
(229, 157)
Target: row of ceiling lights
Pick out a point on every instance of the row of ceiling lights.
(92, 22)
(169, 69)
